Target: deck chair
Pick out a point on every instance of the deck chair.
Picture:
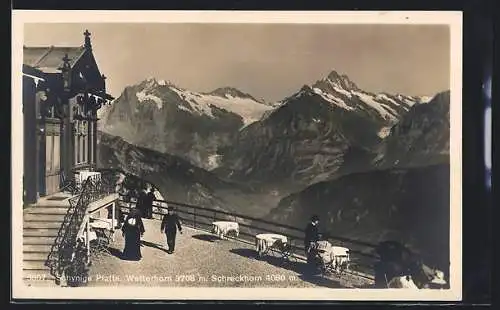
(285, 250)
(99, 245)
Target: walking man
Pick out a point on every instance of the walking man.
(169, 225)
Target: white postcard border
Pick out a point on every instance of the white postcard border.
(453, 19)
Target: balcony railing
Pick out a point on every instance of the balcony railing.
(197, 217)
(65, 252)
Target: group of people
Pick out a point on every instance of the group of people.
(133, 230)
(132, 225)
(144, 200)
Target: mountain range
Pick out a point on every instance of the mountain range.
(372, 165)
(304, 136)
(313, 135)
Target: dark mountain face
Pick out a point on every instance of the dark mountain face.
(406, 205)
(420, 138)
(166, 118)
(302, 141)
(305, 140)
(177, 179)
(183, 182)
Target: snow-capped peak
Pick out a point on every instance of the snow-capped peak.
(229, 99)
(341, 80)
(246, 107)
(341, 92)
(231, 92)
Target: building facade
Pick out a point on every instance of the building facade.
(62, 91)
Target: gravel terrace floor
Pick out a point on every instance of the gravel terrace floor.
(200, 260)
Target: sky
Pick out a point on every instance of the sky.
(268, 61)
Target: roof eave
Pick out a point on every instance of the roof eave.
(74, 61)
(33, 71)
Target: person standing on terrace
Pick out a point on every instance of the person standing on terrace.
(311, 235)
(140, 205)
(169, 225)
(132, 230)
(148, 202)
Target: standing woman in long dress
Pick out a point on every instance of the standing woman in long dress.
(132, 230)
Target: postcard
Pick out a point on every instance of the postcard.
(237, 155)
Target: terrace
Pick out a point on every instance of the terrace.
(201, 257)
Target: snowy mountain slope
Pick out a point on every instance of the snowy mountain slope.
(229, 99)
(306, 137)
(341, 91)
(164, 117)
(420, 138)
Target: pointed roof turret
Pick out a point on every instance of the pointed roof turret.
(87, 34)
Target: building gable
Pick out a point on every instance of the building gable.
(85, 74)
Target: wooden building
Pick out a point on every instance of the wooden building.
(62, 91)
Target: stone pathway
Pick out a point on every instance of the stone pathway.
(200, 260)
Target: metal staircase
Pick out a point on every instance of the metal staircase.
(41, 226)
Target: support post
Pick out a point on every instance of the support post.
(87, 239)
(113, 214)
(194, 218)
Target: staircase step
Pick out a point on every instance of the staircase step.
(44, 217)
(38, 240)
(35, 265)
(37, 232)
(37, 248)
(41, 225)
(35, 256)
(47, 210)
(52, 203)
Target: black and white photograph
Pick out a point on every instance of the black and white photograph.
(231, 155)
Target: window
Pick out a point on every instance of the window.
(81, 143)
